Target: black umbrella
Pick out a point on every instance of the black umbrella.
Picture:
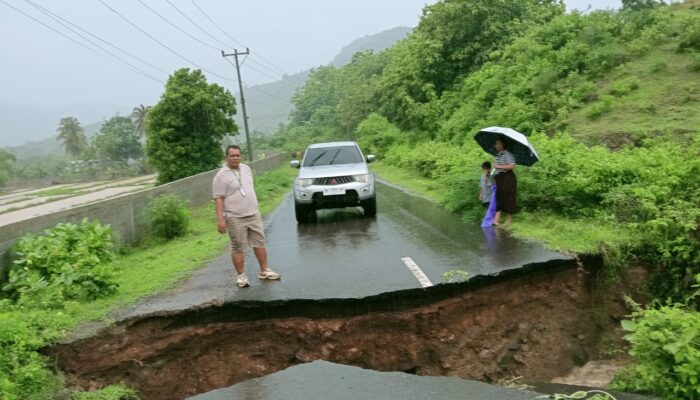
(516, 143)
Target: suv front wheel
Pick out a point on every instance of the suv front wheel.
(304, 213)
(369, 206)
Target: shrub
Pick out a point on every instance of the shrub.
(23, 372)
(376, 134)
(168, 216)
(68, 260)
(623, 87)
(113, 392)
(658, 67)
(690, 36)
(665, 343)
(695, 63)
(601, 107)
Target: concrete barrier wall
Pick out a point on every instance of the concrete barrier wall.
(124, 213)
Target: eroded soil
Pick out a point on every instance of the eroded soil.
(538, 325)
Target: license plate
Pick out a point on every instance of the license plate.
(333, 191)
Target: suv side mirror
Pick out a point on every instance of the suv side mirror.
(370, 158)
(294, 164)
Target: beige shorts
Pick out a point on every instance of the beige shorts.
(245, 231)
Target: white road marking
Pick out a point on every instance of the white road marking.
(417, 272)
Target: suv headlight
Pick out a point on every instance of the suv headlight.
(305, 182)
(364, 178)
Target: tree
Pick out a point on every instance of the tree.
(138, 117)
(72, 135)
(118, 140)
(635, 5)
(453, 38)
(6, 162)
(187, 125)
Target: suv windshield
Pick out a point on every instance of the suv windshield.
(332, 155)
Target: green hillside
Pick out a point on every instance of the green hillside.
(664, 100)
(270, 104)
(610, 100)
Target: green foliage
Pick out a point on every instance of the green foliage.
(186, 127)
(455, 275)
(138, 118)
(68, 261)
(118, 140)
(446, 81)
(168, 216)
(636, 5)
(603, 106)
(695, 63)
(453, 38)
(422, 101)
(34, 322)
(113, 392)
(72, 135)
(376, 134)
(623, 87)
(690, 35)
(23, 371)
(6, 165)
(665, 343)
(643, 189)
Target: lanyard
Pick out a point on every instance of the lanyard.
(240, 181)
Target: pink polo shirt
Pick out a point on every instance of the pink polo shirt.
(228, 185)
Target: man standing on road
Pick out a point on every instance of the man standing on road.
(237, 212)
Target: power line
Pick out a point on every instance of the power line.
(135, 69)
(56, 18)
(177, 27)
(205, 43)
(105, 41)
(163, 44)
(49, 27)
(198, 39)
(283, 72)
(196, 24)
(216, 25)
(258, 89)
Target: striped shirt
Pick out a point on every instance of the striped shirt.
(504, 158)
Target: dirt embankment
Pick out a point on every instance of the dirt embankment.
(538, 325)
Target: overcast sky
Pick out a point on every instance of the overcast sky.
(39, 67)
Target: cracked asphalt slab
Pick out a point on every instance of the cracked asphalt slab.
(344, 255)
(326, 380)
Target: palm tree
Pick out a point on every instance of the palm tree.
(72, 135)
(138, 116)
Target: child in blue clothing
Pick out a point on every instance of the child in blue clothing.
(485, 184)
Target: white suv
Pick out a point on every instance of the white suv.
(333, 175)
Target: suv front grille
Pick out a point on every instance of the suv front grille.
(337, 180)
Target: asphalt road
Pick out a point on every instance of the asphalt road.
(345, 255)
(325, 380)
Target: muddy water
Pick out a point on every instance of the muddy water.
(538, 321)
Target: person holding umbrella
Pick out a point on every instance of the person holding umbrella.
(510, 148)
(506, 183)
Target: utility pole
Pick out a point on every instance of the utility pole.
(235, 55)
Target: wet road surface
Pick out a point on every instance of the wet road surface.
(325, 380)
(345, 255)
